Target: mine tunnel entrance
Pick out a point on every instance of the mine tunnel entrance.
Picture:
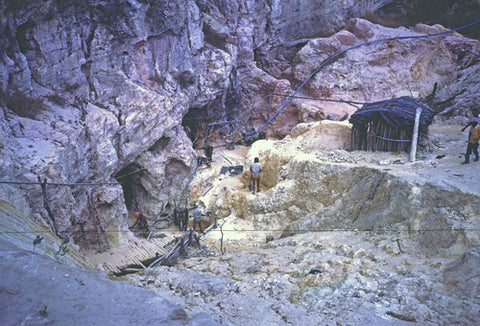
(127, 178)
(194, 123)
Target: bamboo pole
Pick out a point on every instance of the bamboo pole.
(413, 149)
(46, 206)
(389, 135)
(268, 114)
(92, 212)
(352, 137)
(385, 142)
(371, 136)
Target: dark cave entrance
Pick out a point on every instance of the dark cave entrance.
(127, 178)
(194, 123)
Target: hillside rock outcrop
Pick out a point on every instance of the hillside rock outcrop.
(116, 91)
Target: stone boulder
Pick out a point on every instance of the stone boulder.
(466, 266)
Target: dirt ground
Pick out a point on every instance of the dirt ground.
(446, 159)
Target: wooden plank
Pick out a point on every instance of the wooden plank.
(137, 254)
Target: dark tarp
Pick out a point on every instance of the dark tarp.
(234, 170)
(397, 113)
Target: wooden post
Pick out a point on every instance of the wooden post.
(413, 148)
(46, 206)
(268, 114)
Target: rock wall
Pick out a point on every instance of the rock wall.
(106, 91)
(95, 91)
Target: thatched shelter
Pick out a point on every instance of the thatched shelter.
(388, 125)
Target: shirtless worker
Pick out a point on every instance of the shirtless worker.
(255, 168)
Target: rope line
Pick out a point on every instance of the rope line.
(389, 139)
(275, 230)
(351, 48)
(352, 103)
(61, 184)
(128, 174)
(73, 183)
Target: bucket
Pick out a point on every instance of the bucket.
(230, 144)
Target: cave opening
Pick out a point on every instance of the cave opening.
(127, 178)
(194, 123)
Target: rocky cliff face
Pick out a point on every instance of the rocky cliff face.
(107, 91)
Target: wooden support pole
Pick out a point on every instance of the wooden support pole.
(89, 195)
(413, 148)
(352, 138)
(268, 114)
(46, 206)
(387, 143)
(83, 234)
(98, 224)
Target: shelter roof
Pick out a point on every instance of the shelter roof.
(398, 113)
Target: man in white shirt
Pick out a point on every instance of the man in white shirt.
(255, 168)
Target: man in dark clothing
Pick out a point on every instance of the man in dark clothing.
(197, 218)
(141, 224)
(473, 142)
(180, 218)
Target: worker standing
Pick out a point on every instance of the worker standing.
(197, 218)
(255, 168)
